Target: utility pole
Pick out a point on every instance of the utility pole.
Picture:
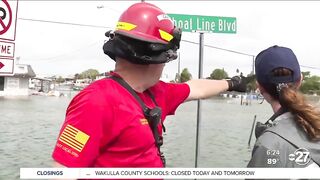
(253, 63)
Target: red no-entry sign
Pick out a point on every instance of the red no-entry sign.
(8, 18)
(5, 17)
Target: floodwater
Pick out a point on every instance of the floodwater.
(29, 128)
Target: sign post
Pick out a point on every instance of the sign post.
(203, 24)
(8, 19)
(199, 103)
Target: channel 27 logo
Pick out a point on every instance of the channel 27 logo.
(300, 156)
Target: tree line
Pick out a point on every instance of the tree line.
(87, 74)
(310, 83)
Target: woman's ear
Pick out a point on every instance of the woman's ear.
(299, 83)
(265, 94)
(260, 88)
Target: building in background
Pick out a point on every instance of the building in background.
(18, 84)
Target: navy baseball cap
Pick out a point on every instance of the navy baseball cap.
(276, 57)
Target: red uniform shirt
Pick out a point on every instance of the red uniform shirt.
(105, 126)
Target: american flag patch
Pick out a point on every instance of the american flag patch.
(74, 138)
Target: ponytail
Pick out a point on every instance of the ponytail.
(306, 115)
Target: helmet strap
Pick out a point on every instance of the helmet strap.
(139, 52)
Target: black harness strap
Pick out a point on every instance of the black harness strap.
(152, 115)
(155, 102)
(261, 127)
(132, 92)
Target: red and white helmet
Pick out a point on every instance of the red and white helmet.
(146, 23)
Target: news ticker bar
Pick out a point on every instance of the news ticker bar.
(169, 173)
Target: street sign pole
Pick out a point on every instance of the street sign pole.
(202, 24)
(200, 75)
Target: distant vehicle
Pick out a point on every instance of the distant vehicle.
(81, 83)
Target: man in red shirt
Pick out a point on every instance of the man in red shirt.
(118, 121)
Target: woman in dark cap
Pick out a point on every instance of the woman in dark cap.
(291, 137)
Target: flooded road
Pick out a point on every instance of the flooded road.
(29, 128)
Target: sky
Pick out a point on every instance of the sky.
(64, 49)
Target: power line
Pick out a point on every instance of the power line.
(223, 49)
(96, 26)
(237, 52)
(310, 67)
(64, 23)
(58, 57)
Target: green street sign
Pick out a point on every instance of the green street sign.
(214, 24)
